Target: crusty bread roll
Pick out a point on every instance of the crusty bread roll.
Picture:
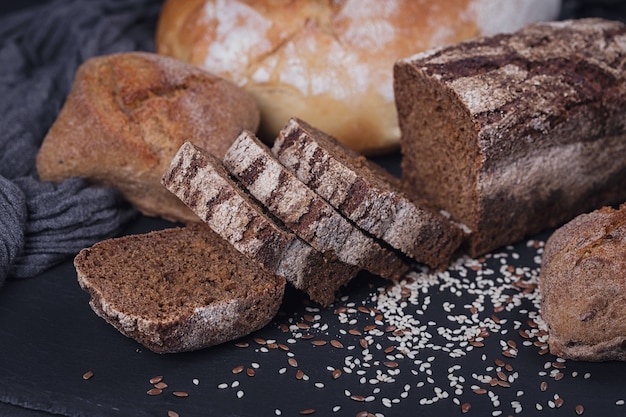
(178, 289)
(328, 62)
(583, 287)
(126, 117)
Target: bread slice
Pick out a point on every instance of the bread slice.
(583, 287)
(200, 180)
(178, 289)
(366, 194)
(304, 212)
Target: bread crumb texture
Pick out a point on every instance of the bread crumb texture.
(177, 289)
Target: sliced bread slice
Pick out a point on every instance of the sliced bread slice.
(200, 180)
(366, 194)
(178, 289)
(306, 213)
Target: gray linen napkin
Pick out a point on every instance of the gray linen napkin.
(42, 224)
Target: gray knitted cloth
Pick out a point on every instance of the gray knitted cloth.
(42, 223)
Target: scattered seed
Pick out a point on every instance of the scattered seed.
(336, 373)
(292, 362)
(307, 412)
(172, 413)
(156, 379)
(480, 391)
(466, 407)
(299, 374)
(318, 342)
(336, 343)
(160, 385)
(88, 375)
(237, 369)
(250, 372)
(543, 386)
(579, 409)
(155, 391)
(181, 394)
(558, 402)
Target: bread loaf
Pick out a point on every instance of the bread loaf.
(366, 194)
(200, 180)
(126, 117)
(328, 62)
(583, 287)
(179, 289)
(304, 212)
(519, 132)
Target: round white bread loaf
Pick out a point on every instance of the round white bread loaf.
(329, 62)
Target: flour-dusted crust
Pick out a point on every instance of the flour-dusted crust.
(304, 212)
(518, 132)
(200, 180)
(126, 117)
(178, 289)
(583, 287)
(328, 62)
(366, 194)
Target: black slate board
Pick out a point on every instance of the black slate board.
(49, 338)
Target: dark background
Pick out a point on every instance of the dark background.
(612, 9)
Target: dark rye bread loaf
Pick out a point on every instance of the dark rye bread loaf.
(178, 289)
(583, 287)
(518, 132)
(304, 212)
(200, 180)
(366, 194)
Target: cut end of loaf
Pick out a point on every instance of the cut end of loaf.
(440, 154)
(177, 289)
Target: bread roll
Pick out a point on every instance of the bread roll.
(515, 133)
(126, 117)
(583, 287)
(328, 62)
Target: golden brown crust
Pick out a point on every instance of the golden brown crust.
(583, 287)
(328, 62)
(126, 117)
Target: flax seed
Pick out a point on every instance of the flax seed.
(160, 385)
(579, 409)
(466, 407)
(354, 332)
(307, 412)
(88, 375)
(336, 373)
(172, 413)
(155, 391)
(237, 369)
(336, 343)
(156, 379)
(250, 372)
(293, 362)
(181, 394)
(318, 342)
(543, 386)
